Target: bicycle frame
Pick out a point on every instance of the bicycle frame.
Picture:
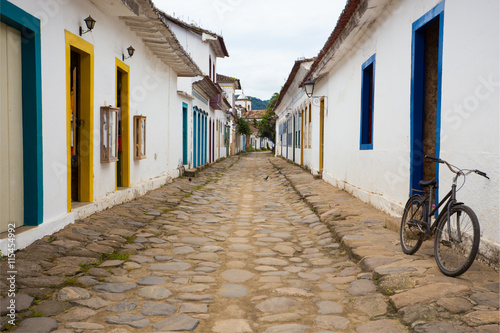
(455, 228)
(448, 201)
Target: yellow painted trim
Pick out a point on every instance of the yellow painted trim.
(86, 176)
(125, 69)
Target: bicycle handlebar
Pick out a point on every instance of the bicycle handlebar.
(438, 160)
(481, 174)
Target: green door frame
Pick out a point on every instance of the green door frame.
(32, 108)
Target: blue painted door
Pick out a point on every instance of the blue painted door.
(195, 139)
(427, 47)
(184, 134)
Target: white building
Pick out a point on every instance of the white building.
(294, 130)
(244, 101)
(85, 122)
(255, 141)
(206, 131)
(404, 79)
(230, 85)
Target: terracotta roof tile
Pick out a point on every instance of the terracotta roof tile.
(290, 79)
(254, 114)
(349, 9)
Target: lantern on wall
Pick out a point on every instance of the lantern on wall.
(309, 87)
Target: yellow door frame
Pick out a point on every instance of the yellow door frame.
(86, 173)
(125, 116)
(321, 132)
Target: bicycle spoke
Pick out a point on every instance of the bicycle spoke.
(410, 232)
(457, 240)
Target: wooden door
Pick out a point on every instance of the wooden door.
(11, 129)
(75, 128)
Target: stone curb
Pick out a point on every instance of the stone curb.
(414, 284)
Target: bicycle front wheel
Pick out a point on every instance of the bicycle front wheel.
(456, 240)
(409, 233)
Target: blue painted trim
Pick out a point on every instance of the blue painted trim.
(205, 155)
(417, 95)
(204, 139)
(198, 139)
(184, 133)
(32, 108)
(195, 94)
(367, 71)
(195, 139)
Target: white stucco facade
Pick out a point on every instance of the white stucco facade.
(294, 131)
(152, 93)
(468, 103)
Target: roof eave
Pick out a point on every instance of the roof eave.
(208, 87)
(290, 79)
(159, 38)
(350, 9)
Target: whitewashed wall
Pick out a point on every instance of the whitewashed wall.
(153, 93)
(469, 138)
(178, 141)
(199, 51)
(293, 102)
(470, 106)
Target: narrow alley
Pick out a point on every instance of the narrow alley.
(238, 250)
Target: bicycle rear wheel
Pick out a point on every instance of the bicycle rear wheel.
(409, 234)
(456, 243)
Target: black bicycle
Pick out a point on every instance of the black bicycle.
(455, 230)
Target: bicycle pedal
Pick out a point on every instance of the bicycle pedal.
(446, 243)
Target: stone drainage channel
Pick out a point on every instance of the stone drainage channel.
(247, 246)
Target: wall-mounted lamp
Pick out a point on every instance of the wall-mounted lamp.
(90, 22)
(130, 51)
(316, 100)
(228, 115)
(309, 87)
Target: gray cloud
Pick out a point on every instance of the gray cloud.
(263, 37)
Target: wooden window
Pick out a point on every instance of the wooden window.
(139, 137)
(109, 134)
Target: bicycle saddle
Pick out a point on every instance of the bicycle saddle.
(432, 183)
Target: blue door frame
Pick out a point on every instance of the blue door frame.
(31, 60)
(195, 136)
(204, 158)
(417, 94)
(184, 133)
(198, 138)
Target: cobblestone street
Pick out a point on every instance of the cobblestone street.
(253, 244)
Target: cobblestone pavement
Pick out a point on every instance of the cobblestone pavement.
(253, 244)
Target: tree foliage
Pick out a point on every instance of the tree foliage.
(243, 127)
(267, 126)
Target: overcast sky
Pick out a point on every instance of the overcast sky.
(263, 37)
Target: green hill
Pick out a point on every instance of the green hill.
(258, 104)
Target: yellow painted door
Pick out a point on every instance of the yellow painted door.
(11, 131)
